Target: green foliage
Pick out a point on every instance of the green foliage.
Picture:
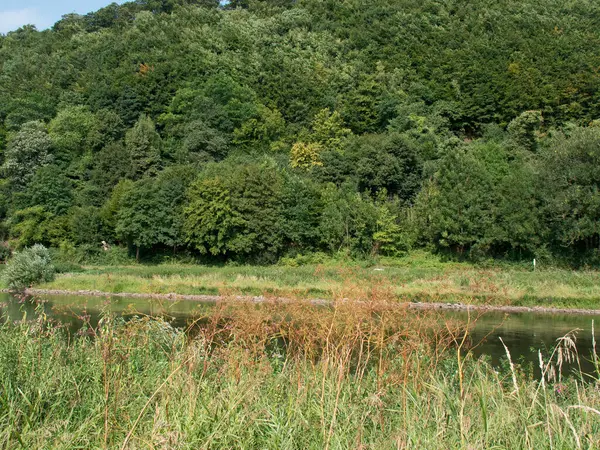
(74, 131)
(302, 206)
(523, 129)
(110, 165)
(571, 184)
(236, 212)
(150, 211)
(51, 189)
(67, 267)
(86, 225)
(328, 130)
(467, 126)
(389, 238)
(4, 252)
(114, 203)
(482, 200)
(261, 131)
(27, 150)
(29, 266)
(36, 225)
(142, 144)
(386, 162)
(348, 221)
(211, 223)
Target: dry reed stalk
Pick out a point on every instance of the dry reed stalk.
(512, 368)
(585, 408)
(594, 352)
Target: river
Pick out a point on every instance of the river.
(523, 333)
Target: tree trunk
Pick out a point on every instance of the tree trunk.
(137, 253)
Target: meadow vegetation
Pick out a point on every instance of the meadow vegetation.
(419, 277)
(285, 376)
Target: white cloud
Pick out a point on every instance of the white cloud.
(11, 20)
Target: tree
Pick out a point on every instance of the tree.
(36, 226)
(110, 209)
(348, 221)
(261, 131)
(524, 128)
(329, 131)
(305, 156)
(212, 225)
(27, 150)
(388, 238)
(482, 201)
(236, 212)
(109, 165)
(74, 131)
(142, 143)
(302, 207)
(50, 189)
(150, 212)
(387, 162)
(86, 225)
(203, 142)
(456, 206)
(571, 186)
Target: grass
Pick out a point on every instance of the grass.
(3, 284)
(425, 279)
(283, 377)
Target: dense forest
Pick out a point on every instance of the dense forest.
(253, 130)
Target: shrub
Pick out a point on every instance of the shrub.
(67, 267)
(30, 266)
(91, 254)
(302, 260)
(4, 252)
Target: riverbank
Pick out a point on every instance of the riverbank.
(438, 283)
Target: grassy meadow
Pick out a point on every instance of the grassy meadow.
(418, 277)
(292, 376)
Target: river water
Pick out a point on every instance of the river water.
(523, 333)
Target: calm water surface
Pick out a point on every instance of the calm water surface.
(523, 333)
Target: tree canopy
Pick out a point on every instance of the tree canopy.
(262, 128)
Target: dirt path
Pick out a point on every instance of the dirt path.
(260, 299)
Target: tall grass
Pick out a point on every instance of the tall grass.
(354, 375)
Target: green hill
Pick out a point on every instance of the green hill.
(259, 129)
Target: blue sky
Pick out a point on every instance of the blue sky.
(43, 13)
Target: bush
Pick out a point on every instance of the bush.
(88, 254)
(30, 266)
(67, 267)
(303, 260)
(4, 252)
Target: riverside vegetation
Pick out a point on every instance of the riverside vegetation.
(412, 278)
(355, 375)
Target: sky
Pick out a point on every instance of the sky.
(43, 13)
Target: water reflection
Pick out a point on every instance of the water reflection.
(526, 333)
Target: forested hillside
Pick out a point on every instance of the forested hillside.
(261, 129)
